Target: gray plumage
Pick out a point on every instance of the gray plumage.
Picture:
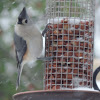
(20, 47)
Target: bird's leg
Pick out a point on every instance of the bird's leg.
(45, 58)
(46, 29)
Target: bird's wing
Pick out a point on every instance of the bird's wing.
(20, 48)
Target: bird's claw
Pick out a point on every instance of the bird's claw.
(46, 29)
(45, 58)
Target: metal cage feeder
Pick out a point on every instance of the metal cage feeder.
(69, 42)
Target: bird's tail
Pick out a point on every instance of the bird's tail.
(20, 67)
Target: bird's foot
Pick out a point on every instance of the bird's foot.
(46, 29)
(45, 58)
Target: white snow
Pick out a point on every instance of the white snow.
(97, 33)
(85, 89)
(81, 88)
(98, 83)
(55, 20)
(71, 20)
(13, 2)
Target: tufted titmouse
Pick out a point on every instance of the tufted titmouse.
(28, 42)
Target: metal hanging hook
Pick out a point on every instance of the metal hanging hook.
(94, 78)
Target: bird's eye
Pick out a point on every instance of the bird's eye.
(24, 21)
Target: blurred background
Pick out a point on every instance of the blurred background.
(32, 77)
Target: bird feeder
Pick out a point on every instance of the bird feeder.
(69, 42)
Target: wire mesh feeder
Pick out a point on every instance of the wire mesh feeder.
(69, 41)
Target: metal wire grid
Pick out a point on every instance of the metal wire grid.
(69, 41)
(69, 8)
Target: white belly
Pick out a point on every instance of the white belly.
(35, 48)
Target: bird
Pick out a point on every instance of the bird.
(94, 78)
(28, 42)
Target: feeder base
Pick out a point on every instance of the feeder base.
(58, 95)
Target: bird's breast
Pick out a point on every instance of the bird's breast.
(34, 47)
(34, 41)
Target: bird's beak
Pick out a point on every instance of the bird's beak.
(19, 22)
